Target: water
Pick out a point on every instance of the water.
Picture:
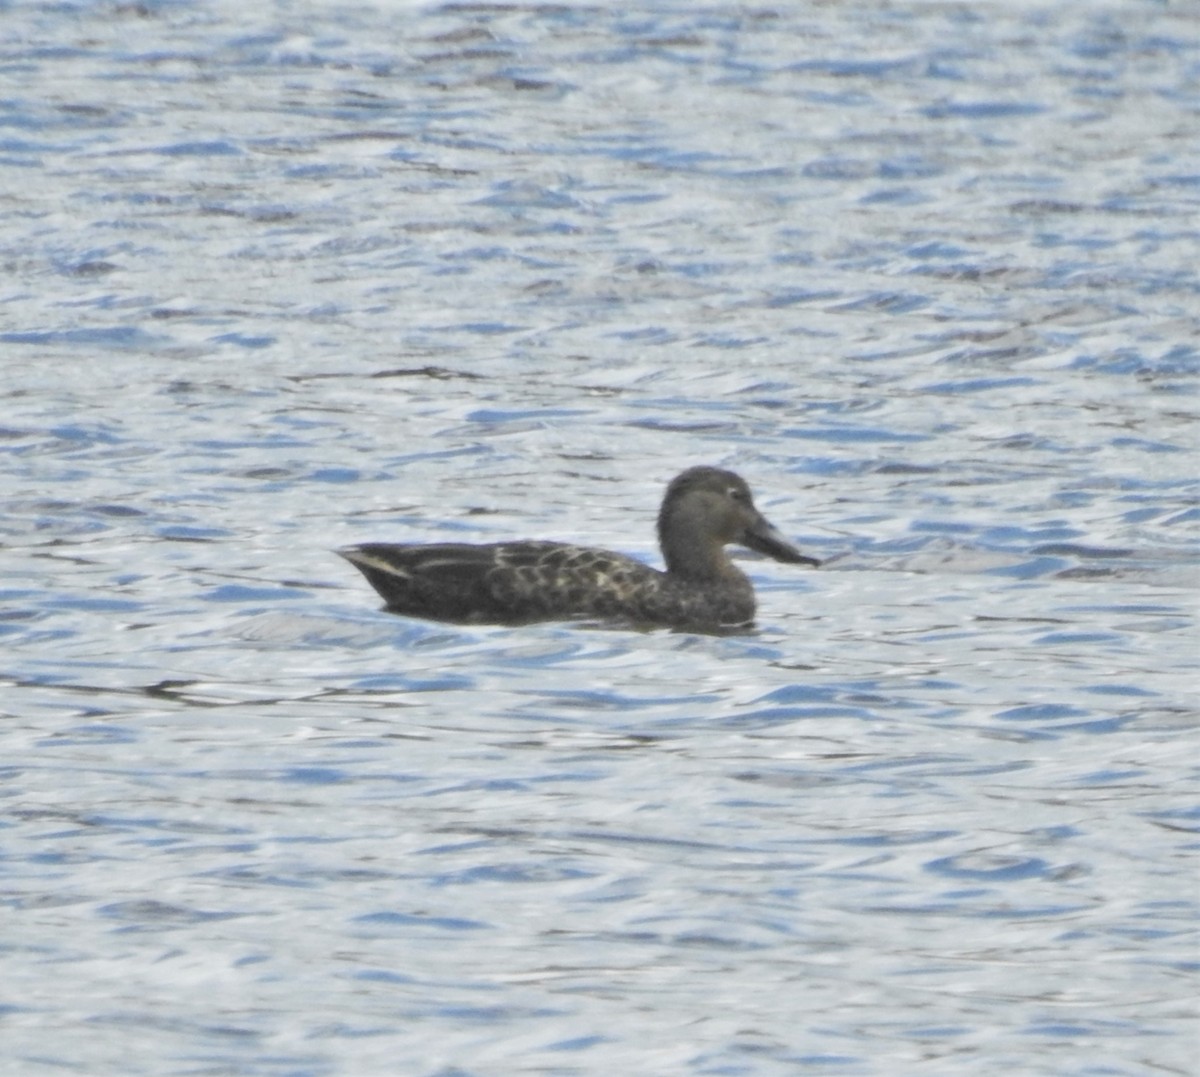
(282, 278)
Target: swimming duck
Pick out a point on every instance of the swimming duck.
(704, 509)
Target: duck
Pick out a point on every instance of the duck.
(703, 510)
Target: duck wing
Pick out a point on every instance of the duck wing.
(505, 581)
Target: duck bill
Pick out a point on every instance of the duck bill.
(765, 539)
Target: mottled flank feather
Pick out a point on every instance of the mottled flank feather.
(512, 582)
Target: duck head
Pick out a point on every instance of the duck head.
(706, 508)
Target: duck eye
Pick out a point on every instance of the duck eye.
(737, 495)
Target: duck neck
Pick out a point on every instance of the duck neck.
(691, 554)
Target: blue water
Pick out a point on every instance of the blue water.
(281, 278)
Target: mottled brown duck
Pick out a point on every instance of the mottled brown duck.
(704, 510)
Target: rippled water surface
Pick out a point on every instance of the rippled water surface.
(283, 277)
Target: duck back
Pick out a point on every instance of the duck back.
(504, 581)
